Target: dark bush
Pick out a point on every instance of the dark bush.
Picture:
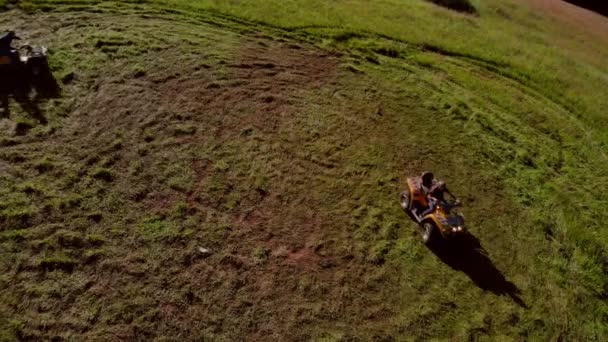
(456, 5)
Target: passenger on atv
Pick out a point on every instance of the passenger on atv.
(434, 192)
(436, 196)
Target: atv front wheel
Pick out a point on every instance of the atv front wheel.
(404, 200)
(429, 232)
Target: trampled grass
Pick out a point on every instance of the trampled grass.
(170, 136)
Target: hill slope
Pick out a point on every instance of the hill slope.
(277, 136)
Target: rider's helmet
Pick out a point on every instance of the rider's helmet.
(427, 178)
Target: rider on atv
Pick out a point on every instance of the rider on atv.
(436, 196)
(435, 193)
(9, 59)
(6, 50)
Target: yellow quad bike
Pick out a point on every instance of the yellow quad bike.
(444, 221)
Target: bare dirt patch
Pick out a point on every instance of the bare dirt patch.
(302, 258)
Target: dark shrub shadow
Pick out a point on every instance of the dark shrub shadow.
(464, 6)
(45, 85)
(600, 7)
(466, 254)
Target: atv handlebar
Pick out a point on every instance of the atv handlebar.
(451, 205)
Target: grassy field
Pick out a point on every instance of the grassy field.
(277, 135)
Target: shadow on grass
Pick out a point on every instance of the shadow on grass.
(600, 7)
(464, 6)
(466, 254)
(44, 86)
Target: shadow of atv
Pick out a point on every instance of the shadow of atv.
(24, 75)
(465, 253)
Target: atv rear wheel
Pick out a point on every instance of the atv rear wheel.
(429, 232)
